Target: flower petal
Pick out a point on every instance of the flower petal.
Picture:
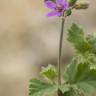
(66, 5)
(63, 2)
(54, 13)
(60, 1)
(50, 4)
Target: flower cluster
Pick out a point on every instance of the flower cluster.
(59, 7)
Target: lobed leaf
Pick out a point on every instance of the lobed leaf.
(49, 73)
(82, 76)
(72, 92)
(40, 88)
(77, 38)
(64, 88)
(92, 40)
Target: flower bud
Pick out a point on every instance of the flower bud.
(71, 2)
(68, 12)
(81, 6)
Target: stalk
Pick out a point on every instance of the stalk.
(60, 53)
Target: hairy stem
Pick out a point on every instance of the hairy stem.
(60, 51)
(60, 54)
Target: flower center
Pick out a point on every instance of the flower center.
(59, 8)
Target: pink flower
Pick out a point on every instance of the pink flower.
(58, 7)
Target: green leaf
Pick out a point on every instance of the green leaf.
(70, 72)
(49, 73)
(77, 38)
(40, 88)
(88, 58)
(64, 88)
(92, 40)
(72, 92)
(82, 76)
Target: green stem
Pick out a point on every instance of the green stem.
(60, 54)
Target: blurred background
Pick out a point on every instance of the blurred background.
(29, 39)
